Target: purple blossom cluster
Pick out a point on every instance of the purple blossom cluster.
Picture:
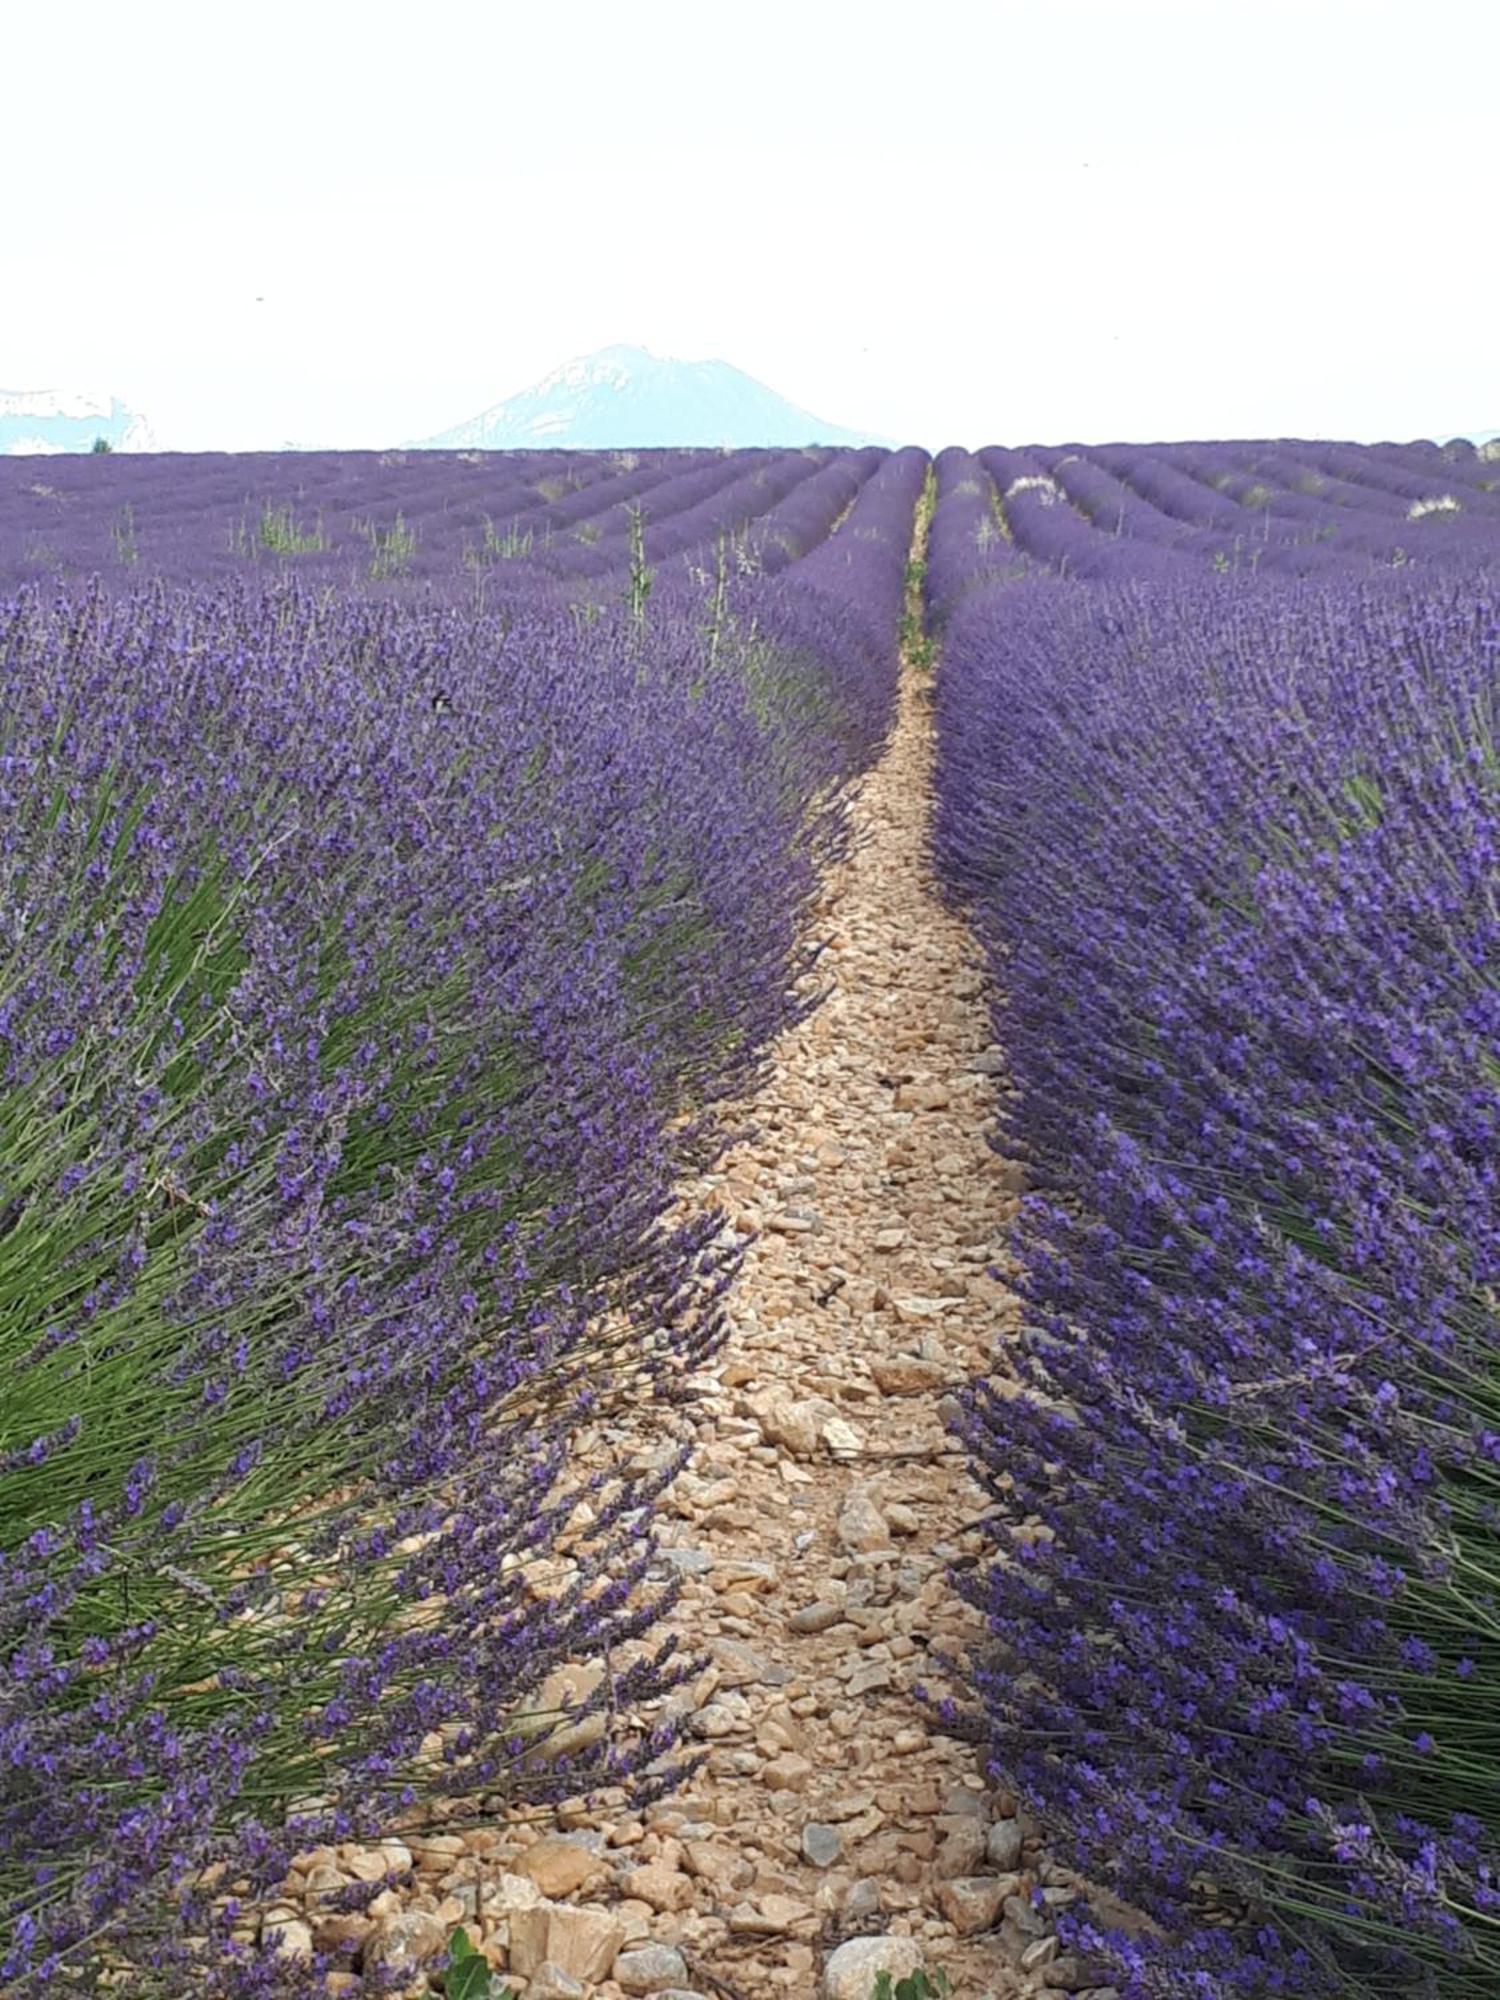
(369, 970)
(1232, 848)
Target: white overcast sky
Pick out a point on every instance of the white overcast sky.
(958, 221)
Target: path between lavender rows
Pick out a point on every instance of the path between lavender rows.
(815, 1529)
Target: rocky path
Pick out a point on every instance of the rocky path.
(833, 1829)
(826, 1502)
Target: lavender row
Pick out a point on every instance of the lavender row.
(369, 974)
(839, 610)
(810, 514)
(968, 542)
(745, 487)
(1231, 849)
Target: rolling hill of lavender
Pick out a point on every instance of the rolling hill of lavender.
(408, 859)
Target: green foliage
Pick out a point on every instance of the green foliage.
(915, 643)
(719, 602)
(101, 444)
(392, 548)
(914, 640)
(916, 1986)
(467, 1975)
(640, 574)
(280, 532)
(515, 541)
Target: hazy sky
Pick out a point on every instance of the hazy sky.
(947, 220)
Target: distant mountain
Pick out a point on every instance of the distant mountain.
(53, 420)
(623, 397)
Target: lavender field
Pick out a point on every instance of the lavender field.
(409, 862)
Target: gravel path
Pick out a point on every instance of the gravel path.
(815, 1531)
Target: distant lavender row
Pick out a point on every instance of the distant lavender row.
(343, 518)
(481, 526)
(969, 542)
(1232, 850)
(1125, 513)
(359, 964)
(745, 490)
(842, 603)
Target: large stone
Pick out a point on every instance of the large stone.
(787, 1773)
(922, 1097)
(373, 1864)
(582, 1941)
(842, 1439)
(816, 1617)
(650, 1968)
(662, 1887)
(821, 1844)
(289, 1937)
(565, 1688)
(739, 1666)
(861, 1525)
(922, 1307)
(962, 1851)
(1003, 1847)
(435, 1853)
(502, 1899)
(973, 1902)
(793, 1426)
(342, 1929)
(1068, 1974)
(552, 1982)
(558, 1867)
(771, 1915)
(862, 1899)
(401, 1944)
(851, 1972)
(721, 1868)
(906, 1375)
(716, 1720)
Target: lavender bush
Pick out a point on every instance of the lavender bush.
(366, 975)
(1232, 851)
